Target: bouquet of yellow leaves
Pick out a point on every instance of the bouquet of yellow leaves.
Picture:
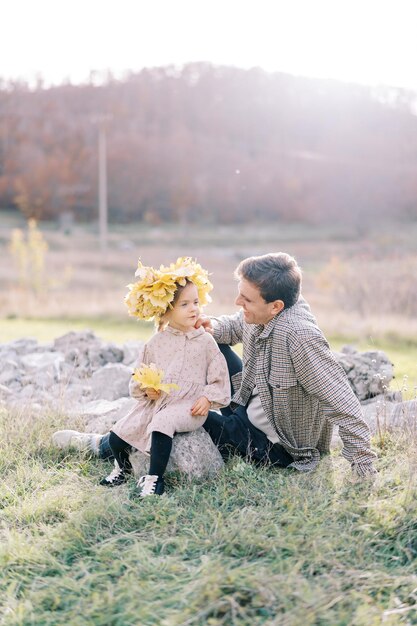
(150, 376)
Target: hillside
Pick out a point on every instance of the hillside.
(211, 144)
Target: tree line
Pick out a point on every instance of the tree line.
(211, 144)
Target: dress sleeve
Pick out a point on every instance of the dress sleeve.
(217, 390)
(135, 390)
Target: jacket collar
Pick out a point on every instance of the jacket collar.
(299, 309)
(190, 334)
(263, 331)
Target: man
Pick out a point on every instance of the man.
(289, 391)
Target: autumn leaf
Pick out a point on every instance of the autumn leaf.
(149, 376)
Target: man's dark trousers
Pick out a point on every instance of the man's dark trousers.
(232, 431)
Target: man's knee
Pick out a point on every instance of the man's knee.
(214, 424)
(225, 430)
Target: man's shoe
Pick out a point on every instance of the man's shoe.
(86, 442)
(151, 485)
(116, 477)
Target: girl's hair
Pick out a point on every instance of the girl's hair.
(161, 322)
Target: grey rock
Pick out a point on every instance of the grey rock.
(98, 356)
(100, 415)
(405, 414)
(112, 354)
(369, 373)
(42, 370)
(79, 361)
(42, 361)
(387, 396)
(131, 350)
(9, 373)
(27, 392)
(4, 391)
(67, 373)
(111, 382)
(14, 385)
(85, 352)
(23, 346)
(15, 362)
(77, 392)
(76, 340)
(193, 454)
(7, 354)
(384, 415)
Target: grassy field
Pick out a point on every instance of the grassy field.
(255, 546)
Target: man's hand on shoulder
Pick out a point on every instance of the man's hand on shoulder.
(205, 322)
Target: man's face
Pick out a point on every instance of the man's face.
(255, 309)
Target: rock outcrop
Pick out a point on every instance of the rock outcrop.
(82, 376)
(369, 373)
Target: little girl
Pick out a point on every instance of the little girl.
(189, 358)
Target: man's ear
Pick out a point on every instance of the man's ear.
(277, 306)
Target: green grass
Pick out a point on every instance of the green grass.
(255, 546)
(114, 329)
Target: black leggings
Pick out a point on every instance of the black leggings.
(121, 451)
(161, 446)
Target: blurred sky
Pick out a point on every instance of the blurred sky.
(366, 41)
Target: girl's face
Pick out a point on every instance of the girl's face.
(186, 309)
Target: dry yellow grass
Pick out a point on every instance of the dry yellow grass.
(79, 281)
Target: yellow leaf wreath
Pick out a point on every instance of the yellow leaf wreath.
(152, 294)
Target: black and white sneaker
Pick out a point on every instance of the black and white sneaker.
(151, 485)
(116, 477)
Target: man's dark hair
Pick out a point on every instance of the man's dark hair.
(276, 275)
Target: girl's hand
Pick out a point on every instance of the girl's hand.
(200, 407)
(152, 394)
